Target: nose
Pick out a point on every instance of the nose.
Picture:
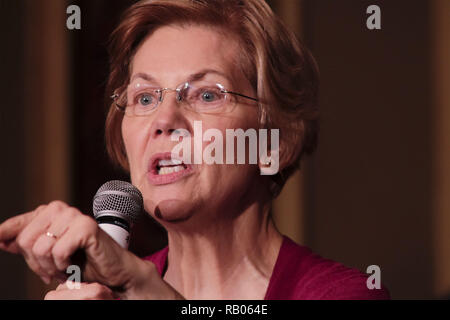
(169, 116)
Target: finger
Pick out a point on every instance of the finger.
(42, 251)
(91, 291)
(43, 246)
(70, 285)
(81, 233)
(11, 228)
(40, 223)
(37, 227)
(10, 246)
(63, 286)
(27, 238)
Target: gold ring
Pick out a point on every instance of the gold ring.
(51, 235)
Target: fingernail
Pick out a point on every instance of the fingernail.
(47, 280)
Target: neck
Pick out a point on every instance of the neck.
(232, 259)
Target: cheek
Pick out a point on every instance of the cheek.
(134, 141)
(230, 174)
(127, 135)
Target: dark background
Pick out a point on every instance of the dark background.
(375, 192)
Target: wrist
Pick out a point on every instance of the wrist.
(147, 284)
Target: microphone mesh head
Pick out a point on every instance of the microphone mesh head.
(118, 198)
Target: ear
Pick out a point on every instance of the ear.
(282, 153)
(269, 158)
(291, 146)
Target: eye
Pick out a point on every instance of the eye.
(209, 96)
(145, 99)
(203, 96)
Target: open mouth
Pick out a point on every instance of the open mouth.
(163, 169)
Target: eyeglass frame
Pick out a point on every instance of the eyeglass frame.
(160, 91)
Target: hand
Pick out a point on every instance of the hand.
(49, 236)
(86, 291)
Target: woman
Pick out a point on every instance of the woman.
(226, 64)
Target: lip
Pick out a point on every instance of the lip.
(156, 179)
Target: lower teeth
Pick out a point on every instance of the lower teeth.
(168, 170)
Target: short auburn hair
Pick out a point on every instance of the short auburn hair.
(281, 70)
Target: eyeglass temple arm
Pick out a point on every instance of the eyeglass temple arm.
(240, 94)
(114, 98)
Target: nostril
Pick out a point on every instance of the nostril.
(159, 131)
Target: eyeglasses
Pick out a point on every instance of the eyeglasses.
(200, 96)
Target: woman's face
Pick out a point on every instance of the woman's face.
(166, 59)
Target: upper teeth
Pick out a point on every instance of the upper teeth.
(168, 166)
(169, 162)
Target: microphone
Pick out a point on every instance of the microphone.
(117, 206)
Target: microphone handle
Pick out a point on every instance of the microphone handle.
(117, 228)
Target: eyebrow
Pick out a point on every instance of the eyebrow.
(195, 76)
(142, 75)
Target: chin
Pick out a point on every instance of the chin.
(171, 210)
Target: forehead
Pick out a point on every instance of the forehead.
(172, 53)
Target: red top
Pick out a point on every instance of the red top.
(299, 274)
